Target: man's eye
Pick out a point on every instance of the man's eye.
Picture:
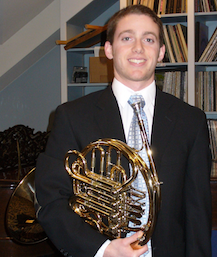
(126, 38)
(149, 40)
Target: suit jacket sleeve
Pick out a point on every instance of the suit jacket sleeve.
(180, 145)
(198, 196)
(69, 233)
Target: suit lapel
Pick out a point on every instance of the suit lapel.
(163, 125)
(107, 116)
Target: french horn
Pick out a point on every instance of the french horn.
(104, 193)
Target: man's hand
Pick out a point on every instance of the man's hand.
(122, 247)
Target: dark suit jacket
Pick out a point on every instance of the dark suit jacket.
(181, 153)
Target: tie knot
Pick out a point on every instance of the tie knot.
(136, 99)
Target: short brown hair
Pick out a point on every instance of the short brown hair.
(133, 9)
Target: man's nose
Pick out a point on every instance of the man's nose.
(138, 47)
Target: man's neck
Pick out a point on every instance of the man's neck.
(136, 85)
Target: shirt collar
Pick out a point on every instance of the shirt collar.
(123, 93)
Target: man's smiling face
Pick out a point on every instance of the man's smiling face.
(135, 50)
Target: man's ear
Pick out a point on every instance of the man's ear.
(108, 50)
(161, 53)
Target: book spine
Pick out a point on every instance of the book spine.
(174, 43)
(183, 35)
(180, 47)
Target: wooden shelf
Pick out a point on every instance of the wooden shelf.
(205, 16)
(206, 63)
(174, 17)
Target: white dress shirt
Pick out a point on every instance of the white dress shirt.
(122, 95)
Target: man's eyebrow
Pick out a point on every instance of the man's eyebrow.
(126, 31)
(132, 32)
(150, 32)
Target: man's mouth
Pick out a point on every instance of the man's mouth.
(137, 61)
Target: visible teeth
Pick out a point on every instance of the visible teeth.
(136, 61)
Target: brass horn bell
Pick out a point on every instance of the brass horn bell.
(21, 222)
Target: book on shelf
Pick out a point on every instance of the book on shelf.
(181, 32)
(144, 2)
(175, 38)
(166, 58)
(174, 42)
(212, 126)
(205, 5)
(174, 6)
(175, 83)
(212, 54)
(214, 169)
(210, 50)
(171, 41)
(201, 39)
(151, 4)
(205, 90)
(169, 7)
(215, 58)
(168, 46)
(164, 6)
(135, 2)
(129, 2)
(148, 3)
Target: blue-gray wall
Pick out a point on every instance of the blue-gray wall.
(33, 96)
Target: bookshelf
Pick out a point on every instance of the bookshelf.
(207, 69)
(80, 57)
(209, 19)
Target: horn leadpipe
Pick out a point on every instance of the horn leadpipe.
(145, 141)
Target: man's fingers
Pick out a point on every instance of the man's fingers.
(123, 246)
(134, 243)
(135, 237)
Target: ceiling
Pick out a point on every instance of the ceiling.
(14, 14)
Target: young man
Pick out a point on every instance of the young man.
(179, 142)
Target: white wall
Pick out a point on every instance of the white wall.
(24, 41)
(32, 98)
